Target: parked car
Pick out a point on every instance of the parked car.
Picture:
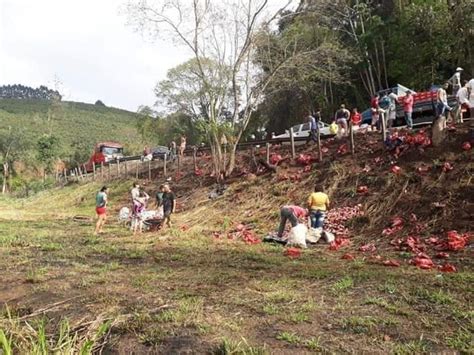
(160, 151)
(302, 130)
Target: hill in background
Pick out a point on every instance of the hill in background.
(77, 125)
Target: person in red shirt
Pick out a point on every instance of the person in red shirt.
(374, 109)
(356, 117)
(408, 109)
(291, 213)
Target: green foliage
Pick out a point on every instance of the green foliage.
(76, 126)
(48, 150)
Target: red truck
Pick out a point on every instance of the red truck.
(104, 152)
(424, 106)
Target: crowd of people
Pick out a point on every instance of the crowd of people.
(383, 106)
(318, 202)
(165, 204)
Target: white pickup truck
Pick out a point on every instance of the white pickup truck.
(302, 130)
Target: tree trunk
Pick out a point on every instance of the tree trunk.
(5, 178)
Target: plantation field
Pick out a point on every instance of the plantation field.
(183, 290)
(78, 126)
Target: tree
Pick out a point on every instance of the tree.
(99, 103)
(12, 145)
(47, 151)
(221, 33)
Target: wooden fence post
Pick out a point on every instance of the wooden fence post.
(76, 170)
(102, 170)
(118, 168)
(149, 170)
(292, 140)
(93, 170)
(194, 158)
(351, 132)
(320, 153)
(164, 165)
(126, 168)
(85, 171)
(383, 127)
(65, 176)
(268, 153)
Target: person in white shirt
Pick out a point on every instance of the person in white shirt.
(455, 80)
(462, 98)
(442, 101)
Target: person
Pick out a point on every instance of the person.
(135, 191)
(442, 101)
(147, 155)
(455, 80)
(318, 204)
(374, 110)
(313, 127)
(169, 204)
(101, 209)
(159, 196)
(291, 213)
(408, 109)
(173, 150)
(138, 208)
(356, 117)
(462, 98)
(182, 146)
(341, 117)
(392, 109)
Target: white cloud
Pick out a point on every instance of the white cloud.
(87, 45)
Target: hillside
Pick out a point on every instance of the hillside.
(77, 125)
(208, 285)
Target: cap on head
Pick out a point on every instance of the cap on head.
(343, 106)
(459, 69)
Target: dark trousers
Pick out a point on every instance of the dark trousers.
(313, 136)
(285, 215)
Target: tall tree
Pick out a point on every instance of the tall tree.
(224, 33)
(12, 145)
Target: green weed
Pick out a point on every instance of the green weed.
(291, 338)
(342, 285)
(232, 347)
(410, 348)
(313, 344)
(461, 341)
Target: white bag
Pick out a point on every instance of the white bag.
(313, 235)
(124, 214)
(329, 237)
(297, 236)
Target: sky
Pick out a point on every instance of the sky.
(84, 48)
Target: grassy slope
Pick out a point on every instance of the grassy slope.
(76, 124)
(182, 289)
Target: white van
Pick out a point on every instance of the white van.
(302, 130)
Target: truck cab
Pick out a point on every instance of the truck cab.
(105, 152)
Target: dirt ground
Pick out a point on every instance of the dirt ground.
(192, 289)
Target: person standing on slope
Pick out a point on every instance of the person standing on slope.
(101, 209)
(408, 109)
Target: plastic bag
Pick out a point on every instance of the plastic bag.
(313, 235)
(333, 128)
(297, 236)
(329, 237)
(124, 214)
